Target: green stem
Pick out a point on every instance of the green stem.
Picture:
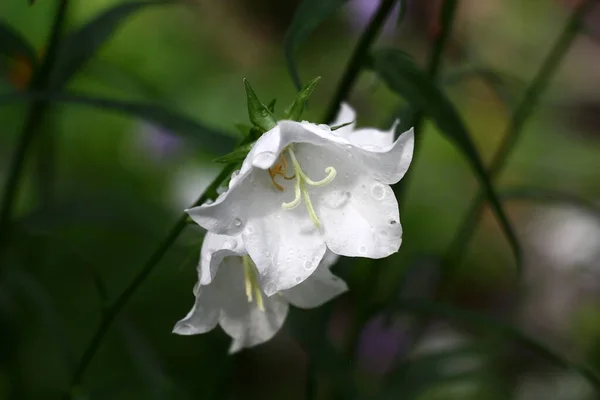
(34, 117)
(516, 125)
(113, 310)
(359, 54)
(434, 65)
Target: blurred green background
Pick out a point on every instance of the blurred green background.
(102, 189)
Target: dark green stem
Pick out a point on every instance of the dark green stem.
(434, 65)
(359, 55)
(34, 117)
(113, 310)
(516, 125)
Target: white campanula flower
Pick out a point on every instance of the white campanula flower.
(304, 188)
(228, 293)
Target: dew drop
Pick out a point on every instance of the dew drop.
(269, 288)
(249, 229)
(362, 249)
(229, 245)
(208, 202)
(378, 191)
(298, 279)
(323, 126)
(308, 265)
(393, 222)
(237, 222)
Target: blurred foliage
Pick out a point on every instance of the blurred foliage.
(143, 96)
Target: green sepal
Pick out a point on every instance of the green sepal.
(237, 155)
(294, 112)
(243, 129)
(271, 105)
(259, 114)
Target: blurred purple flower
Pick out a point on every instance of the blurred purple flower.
(157, 142)
(380, 343)
(361, 11)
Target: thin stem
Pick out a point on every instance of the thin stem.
(113, 310)
(359, 54)
(516, 125)
(34, 117)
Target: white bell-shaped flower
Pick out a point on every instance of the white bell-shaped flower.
(304, 188)
(229, 294)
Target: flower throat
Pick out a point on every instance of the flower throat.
(300, 191)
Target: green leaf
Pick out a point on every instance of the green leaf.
(405, 78)
(209, 138)
(308, 16)
(259, 114)
(271, 105)
(81, 45)
(237, 155)
(496, 327)
(13, 44)
(294, 112)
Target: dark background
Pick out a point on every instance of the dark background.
(101, 190)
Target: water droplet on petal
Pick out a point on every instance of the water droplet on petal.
(269, 288)
(237, 222)
(229, 245)
(298, 279)
(378, 191)
(308, 265)
(362, 249)
(323, 126)
(208, 202)
(249, 229)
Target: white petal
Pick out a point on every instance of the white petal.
(366, 223)
(204, 315)
(244, 321)
(285, 245)
(371, 138)
(268, 148)
(318, 289)
(214, 249)
(345, 114)
(387, 164)
(329, 259)
(359, 214)
(228, 214)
